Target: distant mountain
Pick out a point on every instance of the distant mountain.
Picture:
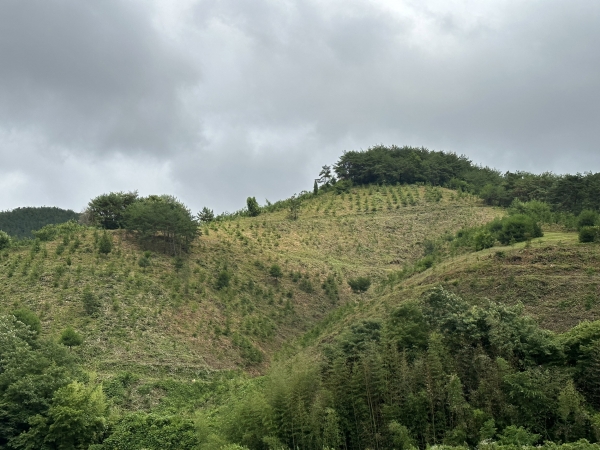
(21, 221)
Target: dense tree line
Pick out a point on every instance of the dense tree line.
(391, 165)
(439, 371)
(19, 222)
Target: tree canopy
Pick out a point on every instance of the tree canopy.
(162, 218)
(108, 210)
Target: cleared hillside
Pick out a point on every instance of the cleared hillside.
(219, 307)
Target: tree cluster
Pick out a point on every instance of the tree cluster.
(159, 221)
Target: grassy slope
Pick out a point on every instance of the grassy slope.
(556, 278)
(162, 320)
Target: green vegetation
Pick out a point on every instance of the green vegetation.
(391, 165)
(19, 222)
(474, 325)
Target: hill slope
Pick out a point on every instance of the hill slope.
(219, 307)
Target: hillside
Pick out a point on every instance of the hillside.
(172, 316)
(19, 222)
(254, 337)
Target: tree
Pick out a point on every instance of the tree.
(206, 215)
(253, 207)
(108, 210)
(4, 240)
(105, 243)
(316, 188)
(162, 218)
(70, 338)
(325, 176)
(294, 209)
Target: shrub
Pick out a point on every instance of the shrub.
(305, 285)
(223, 280)
(587, 218)
(4, 240)
(589, 234)
(331, 288)
(275, 271)
(144, 261)
(105, 243)
(29, 318)
(360, 284)
(518, 228)
(91, 304)
(70, 338)
(483, 240)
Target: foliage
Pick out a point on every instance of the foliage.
(330, 287)
(206, 215)
(539, 211)
(29, 318)
(91, 303)
(152, 431)
(70, 338)
(162, 218)
(52, 231)
(392, 165)
(437, 371)
(484, 239)
(108, 210)
(76, 418)
(105, 243)
(19, 222)
(223, 279)
(32, 371)
(4, 240)
(587, 218)
(275, 271)
(252, 205)
(589, 234)
(294, 208)
(359, 284)
(518, 228)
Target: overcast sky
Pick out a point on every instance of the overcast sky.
(217, 100)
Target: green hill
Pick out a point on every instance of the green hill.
(367, 316)
(19, 222)
(174, 316)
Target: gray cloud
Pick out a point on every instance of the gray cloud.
(218, 100)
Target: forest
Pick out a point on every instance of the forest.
(410, 300)
(20, 222)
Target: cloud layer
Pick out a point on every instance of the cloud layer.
(216, 100)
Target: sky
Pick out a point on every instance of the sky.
(216, 100)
